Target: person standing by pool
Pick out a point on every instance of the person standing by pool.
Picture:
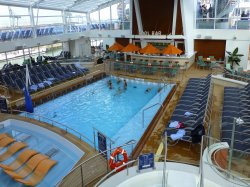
(125, 85)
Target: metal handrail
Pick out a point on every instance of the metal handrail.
(131, 142)
(147, 109)
(113, 171)
(55, 122)
(201, 173)
(228, 173)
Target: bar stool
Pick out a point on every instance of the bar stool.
(186, 65)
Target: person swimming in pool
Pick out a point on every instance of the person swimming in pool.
(110, 84)
(148, 90)
(125, 85)
(159, 89)
(54, 115)
(118, 80)
(119, 91)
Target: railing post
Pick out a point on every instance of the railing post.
(82, 176)
(94, 138)
(127, 169)
(143, 118)
(231, 146)
(201, 162)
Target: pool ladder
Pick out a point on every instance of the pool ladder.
(147, 109)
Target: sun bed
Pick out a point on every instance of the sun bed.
(12, 150)
(39, 173)
(28, 167)
(22, 158)
(6, 141)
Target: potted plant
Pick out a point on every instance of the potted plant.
(234, 57)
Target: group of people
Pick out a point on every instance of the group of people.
(245, 15)
(125, 85)
(119, 90)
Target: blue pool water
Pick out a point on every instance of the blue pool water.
(108, 110)
(43, 141)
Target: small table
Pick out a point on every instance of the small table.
(208, 60)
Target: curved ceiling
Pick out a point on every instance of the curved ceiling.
(69, 5)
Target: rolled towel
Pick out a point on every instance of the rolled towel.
(178, 135)
(187, 114)
(173, 124)
(239, 121)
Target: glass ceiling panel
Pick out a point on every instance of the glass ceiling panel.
(72, 5)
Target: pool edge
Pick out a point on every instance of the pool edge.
(152, 124)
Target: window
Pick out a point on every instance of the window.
(94, 17)
(223, 14)
(46, 17)
(76, 18)
(14, 17)
(105, 14)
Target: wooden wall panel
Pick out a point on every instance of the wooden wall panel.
(179, 27)
(122, 41)
(156, 16)
(207, 48)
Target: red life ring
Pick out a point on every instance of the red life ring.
(113, 164)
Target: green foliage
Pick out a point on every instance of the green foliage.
(234, 57)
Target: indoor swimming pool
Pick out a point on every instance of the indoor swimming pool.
(115, 112)
(43, 141)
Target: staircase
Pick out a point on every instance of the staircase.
(225, 7)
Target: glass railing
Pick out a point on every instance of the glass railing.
(87, 172)
(222, 23)
(9, 34)
(110, 25)
(228, 165)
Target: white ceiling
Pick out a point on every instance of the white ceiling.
(71, 5)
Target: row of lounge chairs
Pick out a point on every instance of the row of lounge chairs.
(42, 75)
(236, 111)
(25, 33)
(29, 163)
(189, 117)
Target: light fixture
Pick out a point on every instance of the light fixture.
(208, 37)
(198, 36)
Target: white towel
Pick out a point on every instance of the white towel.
(174, 124)
(239, 121)
(187, 114)
(179, 134)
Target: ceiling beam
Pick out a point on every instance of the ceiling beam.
(36, 3)
(104, 5)
(77, 2)
(41, 7)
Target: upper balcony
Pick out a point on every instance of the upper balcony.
(12, 34)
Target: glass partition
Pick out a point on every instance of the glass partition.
(14, 17)
(230, 166)
(47, 17)
(223, 14)
(18, 56)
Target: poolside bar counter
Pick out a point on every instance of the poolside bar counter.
(185, 61)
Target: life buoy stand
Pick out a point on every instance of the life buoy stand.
(115, 164)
